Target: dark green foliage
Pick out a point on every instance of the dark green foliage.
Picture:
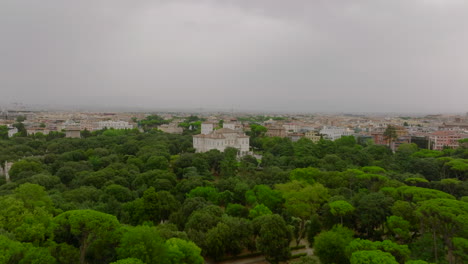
(143, 243)
(313, 228)
(273, 237)
(373, 210)
(158, 206)
(87, 230)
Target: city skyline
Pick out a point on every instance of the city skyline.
(294, 56)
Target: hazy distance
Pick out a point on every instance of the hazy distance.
(276, 55)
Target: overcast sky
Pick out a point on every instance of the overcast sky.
(275, 55)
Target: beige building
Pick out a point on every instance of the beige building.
(312, 135)
(276, 131)
(72, 132)
(171, 129)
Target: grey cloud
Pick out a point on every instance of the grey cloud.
(368, 55)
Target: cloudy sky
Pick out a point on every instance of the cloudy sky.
(274, 55)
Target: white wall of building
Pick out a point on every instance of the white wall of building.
(334, 133)
(114, 125)
(206, 128)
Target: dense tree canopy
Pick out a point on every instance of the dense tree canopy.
(125, 196)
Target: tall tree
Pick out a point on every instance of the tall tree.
(330, 245)
(273, 238)
(341, 208)
(159, 205)
(183, 252)
(390, 135)
(446, 218)
(84, 227)
(302, 200)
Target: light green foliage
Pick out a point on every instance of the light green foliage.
(11, 213)
(259, 210)
(460, 249)
(460, 165)
(427, 153)
(28, 223)
(263, 194)
(33, 195)
(37, 255)
(416, 262)
(418, 194)
(306, 174)
(341, 208)
(34, 227)
(373, 169)
(372, 257)
(15, 252)
(183, 252)
(330, 245)
(400, 252)
(257, 130)
(128, 261)
(10, 251)
(144, 243)
(209, 193)
(399, 227)
(303, 199)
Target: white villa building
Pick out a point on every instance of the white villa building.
(114, 125)
(220, 139)
(334, 133)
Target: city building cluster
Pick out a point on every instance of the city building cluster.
(222, 130)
